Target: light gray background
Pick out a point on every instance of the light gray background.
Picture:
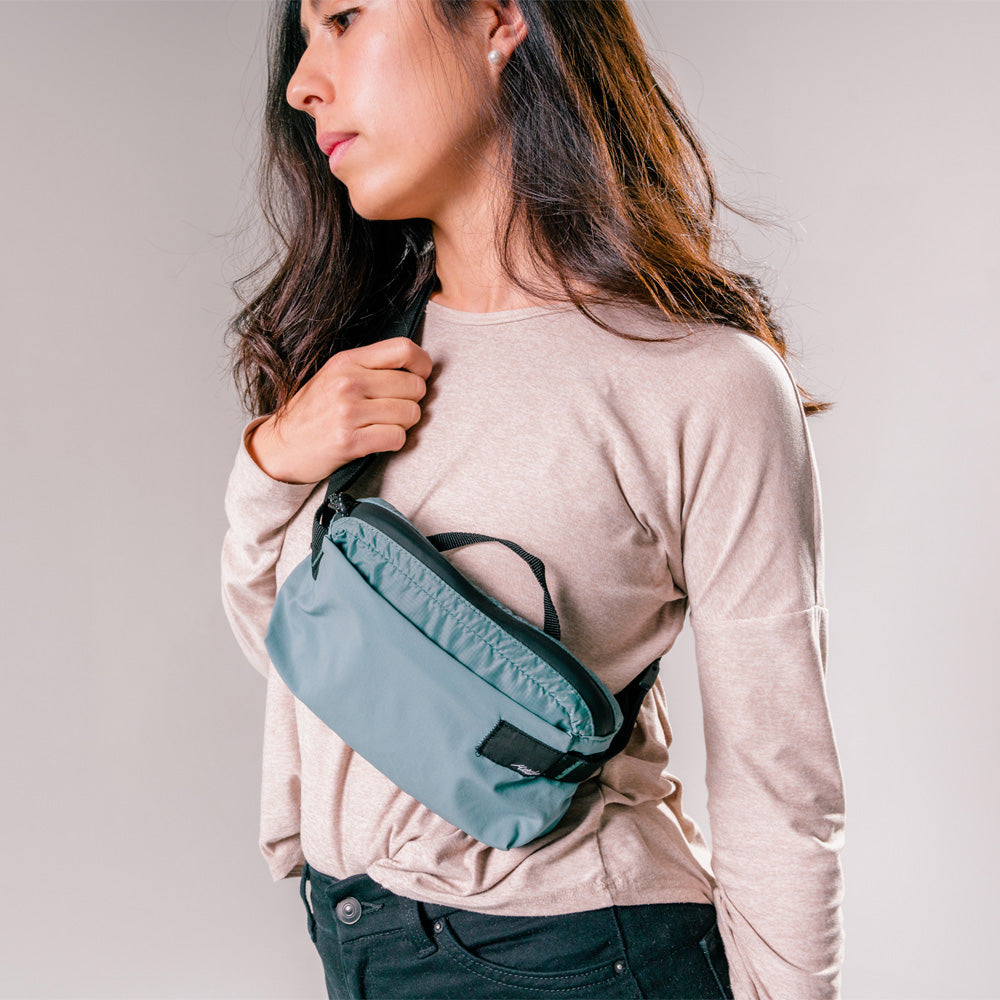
(130, 724)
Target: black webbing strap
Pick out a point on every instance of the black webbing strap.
(577, 767)
(511, 747)
(453, 539)
(403, 323)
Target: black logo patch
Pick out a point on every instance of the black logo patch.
(511, 747)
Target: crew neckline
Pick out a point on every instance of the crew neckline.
(466, 318)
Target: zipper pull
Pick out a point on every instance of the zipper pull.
(337, 506)
(341, 504)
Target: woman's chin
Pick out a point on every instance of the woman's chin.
(376, 210)
(372, 202)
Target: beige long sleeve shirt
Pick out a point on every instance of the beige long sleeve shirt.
(653, 478)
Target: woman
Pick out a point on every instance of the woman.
(592, 384)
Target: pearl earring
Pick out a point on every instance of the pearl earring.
(494, 56)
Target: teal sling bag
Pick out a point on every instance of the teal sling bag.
(483, 717)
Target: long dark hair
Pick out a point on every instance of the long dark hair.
(611, 185)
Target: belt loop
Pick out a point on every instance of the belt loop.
(415, 930)
(302, 893)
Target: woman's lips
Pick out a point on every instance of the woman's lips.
(335, 144)
(339, 149)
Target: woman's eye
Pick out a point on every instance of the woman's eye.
(336, 21)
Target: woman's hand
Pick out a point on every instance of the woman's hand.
(361, 401)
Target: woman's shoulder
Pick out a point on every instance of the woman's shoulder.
(704, 364)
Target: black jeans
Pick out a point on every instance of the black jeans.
(376, 944)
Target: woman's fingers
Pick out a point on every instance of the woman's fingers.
(384, 384)
(393, 354)
(361, 401)
(404, 412)
(374, 438)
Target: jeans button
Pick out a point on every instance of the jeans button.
(348, 910)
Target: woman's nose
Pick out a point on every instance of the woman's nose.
(310, 85)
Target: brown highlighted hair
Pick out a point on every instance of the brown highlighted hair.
(609, 184)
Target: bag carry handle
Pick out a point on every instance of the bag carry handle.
(453, 539)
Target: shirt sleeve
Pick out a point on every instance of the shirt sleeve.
(753, 565)
(258, 509)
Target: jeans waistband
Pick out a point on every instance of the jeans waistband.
(358, 906)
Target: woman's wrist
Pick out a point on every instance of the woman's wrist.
(265, 449)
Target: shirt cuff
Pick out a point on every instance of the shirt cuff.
(256, 501)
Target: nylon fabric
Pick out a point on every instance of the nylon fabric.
(469, 635)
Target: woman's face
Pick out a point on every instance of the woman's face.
(371, 67)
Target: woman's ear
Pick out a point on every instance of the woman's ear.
(505, 27)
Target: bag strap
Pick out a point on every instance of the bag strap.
(511, 747)
(630, 700)
(402, 324)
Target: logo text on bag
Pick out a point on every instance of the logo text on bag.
(513, 748)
